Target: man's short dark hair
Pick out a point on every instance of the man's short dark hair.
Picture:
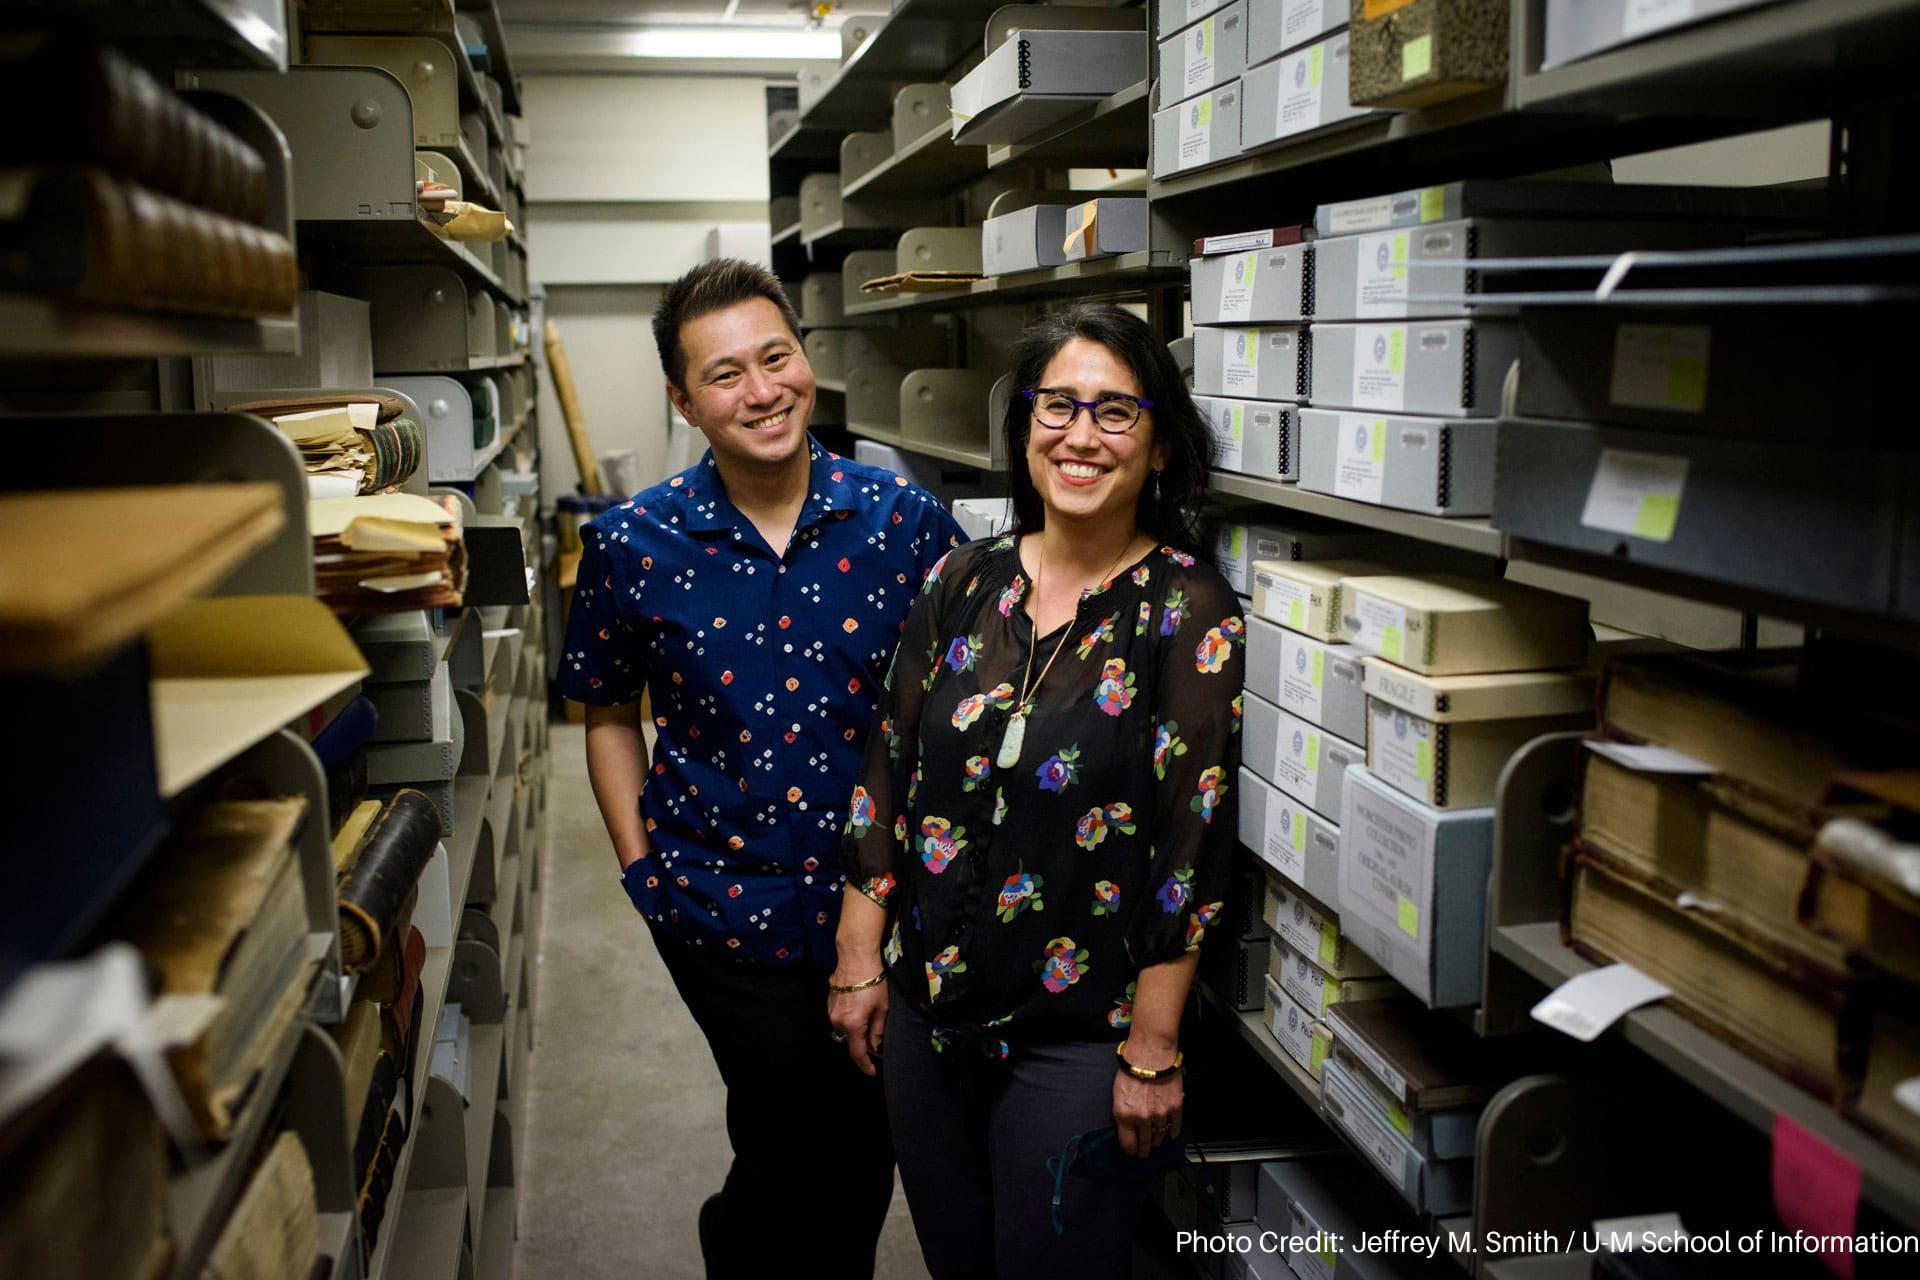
(712, 286)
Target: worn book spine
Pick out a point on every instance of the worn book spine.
(376, 888)
(275, 1229)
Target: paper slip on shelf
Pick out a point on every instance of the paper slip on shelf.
(388, 552)
(919, 281)
(1413, 888)
(1313, 930)
(1451, 624)
(1304, 1037)
(1317, 681)
(1289, 837)
(1444, 739)
(229, 671)
(85, 571)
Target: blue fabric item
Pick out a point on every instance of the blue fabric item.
(764, 672)
(1096, 1154)
(346, 733)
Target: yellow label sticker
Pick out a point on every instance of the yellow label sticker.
(1297, 614)
(1687, 383)
(1390, 643)
(1409, 917)
(1237, 546)
(1396, 350)
(1253, 348)
(1377, 444)
(1319, 668)
(1252, 261)
(1313, 751)
(1206, 40)
(1315, 1059)
(1316, 62)
(1423, 760)
(1433, 204)
(1204, 109)
(1399, 1120)
(1300, 832)
(1659, 513)
(1239, 422)
(1397, 262)
(1329, 942)
(1416, 58)
(1329, 992)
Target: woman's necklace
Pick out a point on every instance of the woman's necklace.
(1016, 732)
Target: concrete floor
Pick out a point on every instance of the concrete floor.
(626, 1132)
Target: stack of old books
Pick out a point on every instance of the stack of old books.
(1715, 778)
(123, 195)
(387, 553)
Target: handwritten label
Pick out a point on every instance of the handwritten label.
(1644, 17)
(1636, 493)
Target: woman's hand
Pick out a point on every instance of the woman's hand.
(859, 1018)
(1147, 1112)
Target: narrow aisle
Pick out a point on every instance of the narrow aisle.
(627, 1130)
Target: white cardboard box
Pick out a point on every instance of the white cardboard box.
(1303, 760)
(1253, 437)
(1437, 466)
(1288, 837)
(1322, 683)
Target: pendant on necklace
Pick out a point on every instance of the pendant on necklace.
(1013, 740)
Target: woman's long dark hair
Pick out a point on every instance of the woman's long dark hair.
(1174, 516)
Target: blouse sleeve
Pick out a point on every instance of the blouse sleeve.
(876, 827)
(1196, 764)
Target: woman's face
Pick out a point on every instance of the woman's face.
(1081, 472)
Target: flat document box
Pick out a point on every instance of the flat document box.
(1828, 530)
(1240, 546)
(1258, 363)
(1450, 624)
(1275, 27)
(1558, 201)
(1205, 55)
(1426, 1063)
(1413, 888)
(1428, 1186)
(1289, 837)
(1449, 368)
(85, 571)
(1303, 760)
(1253, 437)
(1581, 28)
(1255, 286)
(409, 711)
(1317, 681)
(1235, 968)
(1105, 227)
(1025, 240)
(1316, 991)
(1314, 931)
(398, 647)
(1306, 595)
(1302, 1035)
(1200, 131)
(1437, 466)
(1036, 78)
(1170, 15)
(1298, 93)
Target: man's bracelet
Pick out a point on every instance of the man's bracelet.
(1145, 1073)
(874, 981)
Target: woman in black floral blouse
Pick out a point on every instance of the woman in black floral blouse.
(1041, 836)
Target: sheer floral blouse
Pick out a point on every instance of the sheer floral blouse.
(1026, 899)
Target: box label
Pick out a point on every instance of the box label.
(1303, 928)
(1196, 133)
(1236, 286)
(1309, 1262)
(1360, 460)
(1385, 683)
(1286, 837)
(1416, 58)
(1301, 80)
(1377, 625)
(1313, 989)
(1236, 242)
(1303, 675)
(1380, 367)
(1283, 600)
(1293, 1028)
(1360, 215)
(1380, 278)
(1240, 362)
(1643, 17)
(1661, 366)
(1433, 204)
(1636, 493)
(1386, 867)
(1402, 751)
(1368, 1134)
(1392, 1081)
(1229, 435)
(1198, 54)
(1298, 766)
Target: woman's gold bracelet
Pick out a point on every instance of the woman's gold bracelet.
(874, 981)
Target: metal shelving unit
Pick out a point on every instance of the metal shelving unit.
(920, 38)
(1466, 534)
(40, 328)
(1109, 134)
(930, 165)
(978, 458)
(1126, 273)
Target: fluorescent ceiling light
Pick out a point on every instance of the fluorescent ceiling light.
(723, 42)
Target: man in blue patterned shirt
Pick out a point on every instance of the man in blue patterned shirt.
(759, 596)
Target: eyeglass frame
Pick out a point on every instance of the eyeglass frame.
(1140, 405)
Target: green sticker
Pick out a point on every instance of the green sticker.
(1329, 992)
(1253, 348)
(1297, 614)
(1396, 350)
(1238, 546)
(1423, 760)
(1409, 917)
(1253, 260)
(1239, 424)
(1329, 942)
(1433, 204)
(1329, 1255)
(1206, 38)
(1300, 831)
(1315, 61)
(1398, 260)
(1313, 751)
(1416, 58)
(1377, 445)
(1659, 512)
(1204, 109)
(1314, 1061)
(1390, 643)
(1687, 383)
(1319, 667)
(1399, 1120)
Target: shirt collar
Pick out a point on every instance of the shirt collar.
(710, 510)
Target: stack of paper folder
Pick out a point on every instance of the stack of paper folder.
(387, 553)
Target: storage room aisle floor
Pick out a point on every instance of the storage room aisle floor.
(626, 1128)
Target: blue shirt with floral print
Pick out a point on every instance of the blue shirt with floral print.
(764, 670)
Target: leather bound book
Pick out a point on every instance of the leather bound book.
(375, 888)
(377, 1183)
(383, 1086)
(90, 105)
(274, 1233)
(403, 1011)
(386, 978)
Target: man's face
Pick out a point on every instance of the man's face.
(749, 387)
